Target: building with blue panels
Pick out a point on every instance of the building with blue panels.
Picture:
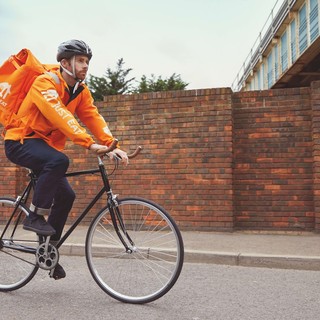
(287, 52)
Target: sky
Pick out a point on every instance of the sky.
(204, 41)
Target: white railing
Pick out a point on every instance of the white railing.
(265, 36)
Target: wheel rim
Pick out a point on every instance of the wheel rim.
(155, 262)
(17, 267)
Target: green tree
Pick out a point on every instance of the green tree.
(154, 84)
(98, 87)
(117, 82)
(112, 83)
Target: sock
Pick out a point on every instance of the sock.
(32, 215)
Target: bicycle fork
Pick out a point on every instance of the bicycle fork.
(118, 223)
(114, 210)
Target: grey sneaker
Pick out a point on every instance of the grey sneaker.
(39, 225)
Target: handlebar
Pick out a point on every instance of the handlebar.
(114, 145)
(135, 153)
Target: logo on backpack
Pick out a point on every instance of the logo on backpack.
(4, 89)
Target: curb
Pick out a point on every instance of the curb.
(311, 263)
(255, 260)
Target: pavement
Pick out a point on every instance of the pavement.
(284, 250)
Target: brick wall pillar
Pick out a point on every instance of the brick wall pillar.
(315, 104)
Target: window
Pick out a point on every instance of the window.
(314, 20)
(284, 51)
(275, 62)
(270, 71)
(293, 41)
(303, 36)
(259, 79)
(252, 84)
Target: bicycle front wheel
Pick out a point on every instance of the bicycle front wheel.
(152, 265)
(17, 247)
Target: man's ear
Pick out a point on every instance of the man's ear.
(65, 63)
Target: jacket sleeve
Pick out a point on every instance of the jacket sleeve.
(90, 116)
(45, 96)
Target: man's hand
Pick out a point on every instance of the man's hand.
(100, 150)
(120, 154)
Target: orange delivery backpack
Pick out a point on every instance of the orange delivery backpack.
(17, 74)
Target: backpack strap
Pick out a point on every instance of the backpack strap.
(54, 76)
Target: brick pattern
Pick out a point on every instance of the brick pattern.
(273, 160)
(214, 159)
(315, 104)
(186, 163)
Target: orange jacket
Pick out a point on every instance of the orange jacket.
(47, 113)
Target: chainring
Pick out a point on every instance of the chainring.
(47, 260)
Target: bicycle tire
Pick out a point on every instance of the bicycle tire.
(155, 264)
(17, 267)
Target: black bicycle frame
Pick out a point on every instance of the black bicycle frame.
(111, 203)
(20, 199)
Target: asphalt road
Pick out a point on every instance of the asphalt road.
(204, 291)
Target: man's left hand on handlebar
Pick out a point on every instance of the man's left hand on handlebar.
(120, 154)
(101, 150)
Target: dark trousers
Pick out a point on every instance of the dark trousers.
(52, 189)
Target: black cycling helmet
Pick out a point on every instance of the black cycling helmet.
(68, 49)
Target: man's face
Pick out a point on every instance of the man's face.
(81, 66)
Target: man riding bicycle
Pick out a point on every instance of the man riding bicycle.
(46, 120)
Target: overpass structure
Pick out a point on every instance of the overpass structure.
(287, 52)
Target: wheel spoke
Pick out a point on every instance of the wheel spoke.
(17, 254)
(154, 262)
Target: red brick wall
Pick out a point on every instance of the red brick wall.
(315, 104)
(186, 163)
(8, 174)
(273, 160)
(216, 160)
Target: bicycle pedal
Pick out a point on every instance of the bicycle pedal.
(57, 273)
(53, 276)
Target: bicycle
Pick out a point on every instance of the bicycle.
(134, 249)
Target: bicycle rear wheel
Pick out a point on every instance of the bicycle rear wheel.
(17, 248)
(154, 264)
